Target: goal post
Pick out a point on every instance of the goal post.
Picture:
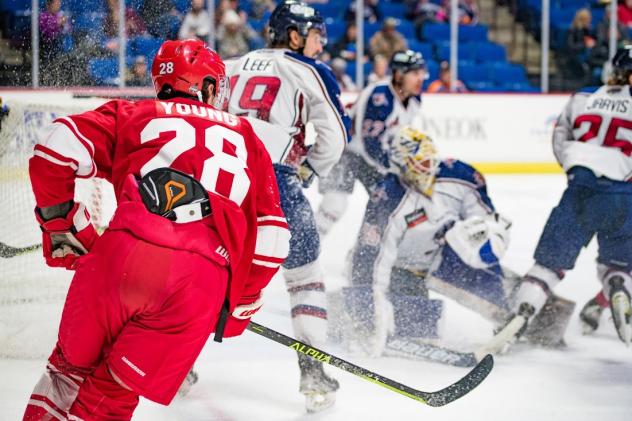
(31, 293)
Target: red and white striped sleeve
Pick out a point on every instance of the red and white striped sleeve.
(272, 245)
(273, 236)
(78, 146)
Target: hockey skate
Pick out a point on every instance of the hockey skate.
(590, 316)
(319, 389)
(621, 309)
(189, 381)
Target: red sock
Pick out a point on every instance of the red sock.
(602, 300)
(103, 398)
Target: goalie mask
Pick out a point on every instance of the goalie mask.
(415, 156)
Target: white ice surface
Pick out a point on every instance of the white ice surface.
(252, 378)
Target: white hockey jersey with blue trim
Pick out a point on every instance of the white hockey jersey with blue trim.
(289, 90)
(595, 131)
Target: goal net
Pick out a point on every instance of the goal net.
(31, 293)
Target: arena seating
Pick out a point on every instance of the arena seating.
(481, 63)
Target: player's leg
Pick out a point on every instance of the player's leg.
(569, 228)
(336, 188)
(179, 311)
(480, 290)
(590, 315)
(367, 174)
(615, 260)
(305, 283)
(84, 329)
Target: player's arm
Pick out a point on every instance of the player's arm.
(325, 111)
(373, 122)
(271, 247)
(563, 131)
(78, 146)
(378, 241)
(479, 235)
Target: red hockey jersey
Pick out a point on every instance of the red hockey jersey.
(122, 140)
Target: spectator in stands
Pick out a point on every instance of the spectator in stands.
(134, 25)
(197, 22)
(339, 67)
(234, 38)
(345, 46)
(371, 12)
(600, 51)
(161, 17)
(420, 12)
(387, 40)
(139, 74)
(580, 40)
(260, 9)
(380, 69)
(54, 27)
(443, 84)
(467, 15)
(624, 13)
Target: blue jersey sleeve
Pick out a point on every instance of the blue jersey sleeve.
(387, 196)
(459, 171)
(379, 107)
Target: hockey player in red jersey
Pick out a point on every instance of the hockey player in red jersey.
(197, 234)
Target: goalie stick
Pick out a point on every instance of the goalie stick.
(7, 251)
(404, 348)
(438, 398)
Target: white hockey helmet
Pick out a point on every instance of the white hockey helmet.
(415, 156)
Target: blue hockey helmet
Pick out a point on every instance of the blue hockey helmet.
(295, 15)
(406, 61)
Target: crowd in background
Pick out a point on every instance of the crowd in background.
(587, 44)
(65, 42)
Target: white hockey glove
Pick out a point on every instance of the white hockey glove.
(479, 241)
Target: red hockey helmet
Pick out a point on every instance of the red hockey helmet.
(183, 65)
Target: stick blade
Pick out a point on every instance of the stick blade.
(462, 387)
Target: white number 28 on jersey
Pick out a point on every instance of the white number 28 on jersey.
(223, 173)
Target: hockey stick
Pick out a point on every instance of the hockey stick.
(7, 251)
(438, 398)
(404, 348)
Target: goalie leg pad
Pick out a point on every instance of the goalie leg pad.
(308, 302)
(359, 304)
(547, 328)
(417, 317)
(484, 283)
(407, 282)
(371, 317)
(332, 207)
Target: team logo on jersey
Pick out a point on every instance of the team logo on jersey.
(370, 235)
(416, 217)
(379, 99)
